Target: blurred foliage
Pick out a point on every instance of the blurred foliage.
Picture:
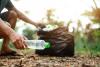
(68, 23)
(29, 33)
(50, 17)
(90, 42)
(94, 15)
(95, 20)
(96, 32)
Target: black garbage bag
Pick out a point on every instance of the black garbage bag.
(61, 41)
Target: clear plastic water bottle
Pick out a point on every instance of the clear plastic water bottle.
(37, 44)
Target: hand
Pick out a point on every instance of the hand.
(18, 41)
(41, 25)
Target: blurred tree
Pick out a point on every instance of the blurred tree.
(49, 15)
(50, 18)
(79, 26)
(94, 16)
(89, 33)
(68, 24)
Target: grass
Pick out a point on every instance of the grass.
(82, 46)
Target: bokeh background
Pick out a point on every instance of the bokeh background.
(81, 17)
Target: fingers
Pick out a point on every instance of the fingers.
(41, 25)
(16, 45)
(25, 45)
(25, 38)
(19, 42)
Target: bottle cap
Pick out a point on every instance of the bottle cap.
(47, 45)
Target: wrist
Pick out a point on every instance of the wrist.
(34, 23)
(11, 34)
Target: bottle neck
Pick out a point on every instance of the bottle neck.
(47, 45)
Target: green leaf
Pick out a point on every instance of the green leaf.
(95, 20)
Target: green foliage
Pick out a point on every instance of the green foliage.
(83, 46)
(29, 33)
(96, 33)
(94, 20)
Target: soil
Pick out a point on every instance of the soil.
(33, 60)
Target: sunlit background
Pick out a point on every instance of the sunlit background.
(73, 13)
(64, 10)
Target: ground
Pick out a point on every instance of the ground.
(33, 60)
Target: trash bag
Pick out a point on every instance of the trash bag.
(61, 41)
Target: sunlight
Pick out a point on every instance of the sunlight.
(65, 9)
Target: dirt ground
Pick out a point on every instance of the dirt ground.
(32, 60)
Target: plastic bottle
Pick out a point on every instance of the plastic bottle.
(37, 44)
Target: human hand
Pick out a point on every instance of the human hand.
(41, 25)
(18, 40)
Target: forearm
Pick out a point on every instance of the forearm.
(5, 29)
(23, 17)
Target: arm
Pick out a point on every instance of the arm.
(23, 17)
(5, 29)
(20, 15)
(10, 33)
